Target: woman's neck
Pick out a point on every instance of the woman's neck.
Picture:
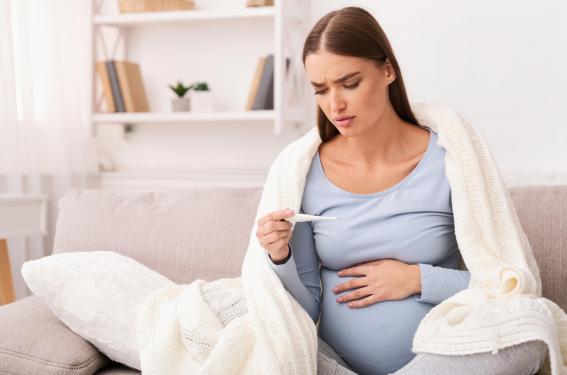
(389, 141)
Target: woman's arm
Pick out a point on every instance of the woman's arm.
(300, 274)
(439, 283)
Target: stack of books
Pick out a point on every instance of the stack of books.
(261, 94)
(122, 86)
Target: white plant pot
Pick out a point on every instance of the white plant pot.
(180, 104)
(201, 101)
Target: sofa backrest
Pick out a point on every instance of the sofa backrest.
(204, 233)
(189, 235)
(542, 211)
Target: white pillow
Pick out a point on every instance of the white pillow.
(96, 294)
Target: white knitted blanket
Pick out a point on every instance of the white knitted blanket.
(252, 325)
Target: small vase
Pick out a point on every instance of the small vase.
(180, 104)
(201, 101)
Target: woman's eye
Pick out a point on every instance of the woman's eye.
(353, 86)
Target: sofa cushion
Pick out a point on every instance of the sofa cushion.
(34, 341)
(96, 294)
(542, 211)
(189, 235)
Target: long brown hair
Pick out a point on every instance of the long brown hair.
(352, 31)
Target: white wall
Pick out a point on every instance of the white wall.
(502, 64)
(499, 63)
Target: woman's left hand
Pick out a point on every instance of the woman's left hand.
(379, 280)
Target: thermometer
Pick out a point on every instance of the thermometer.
(298, 218)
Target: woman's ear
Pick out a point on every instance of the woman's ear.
(390, 72)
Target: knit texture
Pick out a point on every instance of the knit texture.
(252, 325)
(503, 305)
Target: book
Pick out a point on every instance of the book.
(113, 76)
(106, 86)
(269, 100)
(128, 6)
(259, 3)
(265, 95)
(255, 82)
(131, 86)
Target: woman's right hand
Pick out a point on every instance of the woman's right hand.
(274, 233)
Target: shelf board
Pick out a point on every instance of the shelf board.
(182, 117)
(141, 18)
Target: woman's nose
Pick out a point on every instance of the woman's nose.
(337, 103)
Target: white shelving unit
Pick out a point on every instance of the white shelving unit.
(131, 19)
(180, 117)
(288, 20)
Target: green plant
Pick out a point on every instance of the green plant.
(180, 90)
(200, 86)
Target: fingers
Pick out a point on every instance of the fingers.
(354, 271)
(274, 216)
(271, 238)
(351, 284)
(367, 301)
(272, 226)
(278, 244)
(274, 233)
(357, 294)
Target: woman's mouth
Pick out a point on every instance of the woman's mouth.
(346, 121)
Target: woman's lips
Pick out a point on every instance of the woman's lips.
(345, 122)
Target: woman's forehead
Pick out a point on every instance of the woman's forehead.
(330, 67)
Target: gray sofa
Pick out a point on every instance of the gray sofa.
(201, 233)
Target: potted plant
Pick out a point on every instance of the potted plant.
(181, 103)
(201, 97)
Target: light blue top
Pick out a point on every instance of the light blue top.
(412, 222)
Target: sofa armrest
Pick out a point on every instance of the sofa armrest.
(35, 341)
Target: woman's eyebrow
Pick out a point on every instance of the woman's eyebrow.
(342, 79)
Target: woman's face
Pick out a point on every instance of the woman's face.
(363, 95)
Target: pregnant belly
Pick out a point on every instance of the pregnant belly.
(375, 339)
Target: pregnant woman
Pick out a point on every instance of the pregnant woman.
(369, 277)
